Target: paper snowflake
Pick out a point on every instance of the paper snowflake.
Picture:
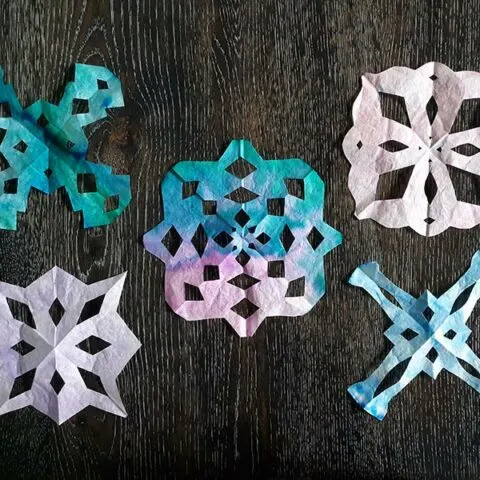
(44, 147)
(428, 334)
(62, 345)
(242, 238)
(421, 153)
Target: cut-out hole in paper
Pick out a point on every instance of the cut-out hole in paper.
(393, 146)
(23, 383)
(466, 149)
(172, 241)
(92, 381)
(393, 184)
(23, 348)
(209, 207)
(296, 288)
(91, 308)
(93, 345)
(10, 187)
(57, 382)
(21, 311)
(276, 268)
(79, 106)
(243, 281)
(189, 189)
(240, 168)
(295, 187)
(254, 247)
(192, 293)
(465, 185)
(200, 240)
(242, 195)
(210, 273)
(276, 206)
(393, 106)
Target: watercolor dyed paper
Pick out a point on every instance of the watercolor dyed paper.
(44, 147)
(62, 345)
(242, 238)
(422, 150)
(429, 334)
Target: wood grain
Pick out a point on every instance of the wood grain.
(203, 403)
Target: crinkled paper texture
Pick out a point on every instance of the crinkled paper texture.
(44, 147)
(428, 334)
(69, 359)
(376, 145)
(236, 259)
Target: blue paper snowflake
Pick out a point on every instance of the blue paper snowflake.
(428, 334)
(44, 147)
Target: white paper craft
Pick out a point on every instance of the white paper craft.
(376, 145)
(68, 355)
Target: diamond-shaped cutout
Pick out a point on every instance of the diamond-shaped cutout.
(23, 348)
(92, 381)
(243, 281)
(432, 110)
(223, 239)
(200, 240)
(430, 188)
(242, 258)
(56, 311)
(466, 149)
(57, 382)
(263, 238)
(242, 195)
(240, 168)
(433, 77)
(242, 218)
(21, 146)
(10, 187)
(245, 308)
(451, 334)
(172, 241)
(359, 144)
(287, 238)
(428, 220)
(91, 308)
(428, 313)
(315, 238)
(42, 121)
(21, 311)
(409, 334)
(22, 383)
(93, 345)
(432, 355)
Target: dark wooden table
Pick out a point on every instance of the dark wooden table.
(202, 402)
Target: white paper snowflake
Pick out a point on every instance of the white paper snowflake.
(62, 345)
